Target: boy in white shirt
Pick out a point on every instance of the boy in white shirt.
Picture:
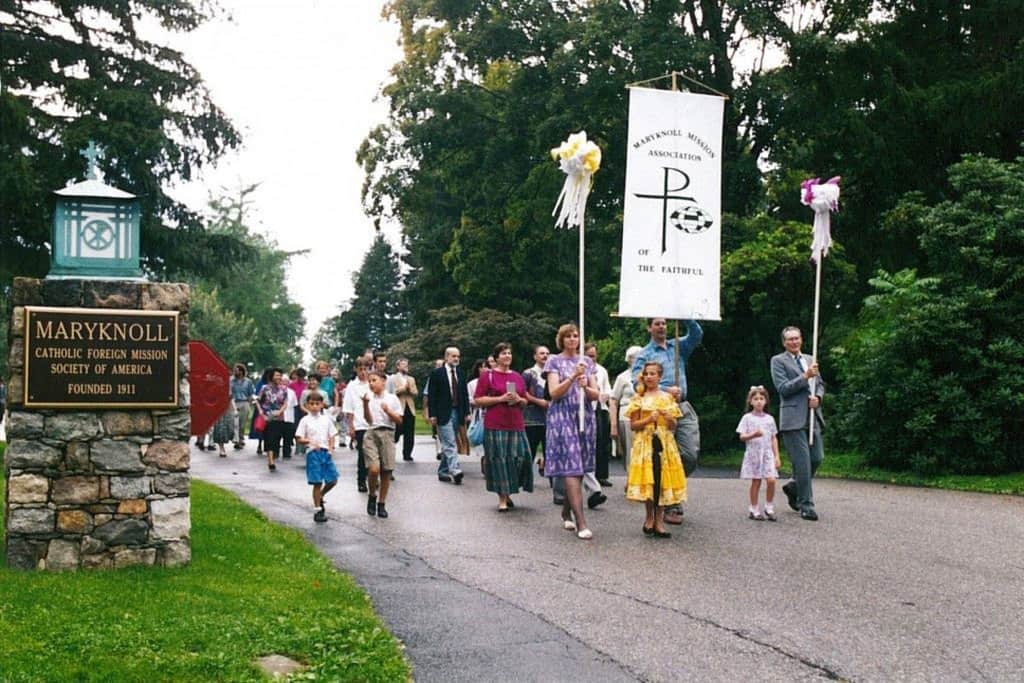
(317, 431)
(382, 412)
(353, 409)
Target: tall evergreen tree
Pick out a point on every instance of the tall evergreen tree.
(890, 105)
(375, 317)
(80, 70)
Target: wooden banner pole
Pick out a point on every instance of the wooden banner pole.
(814, 345)
(583, 391)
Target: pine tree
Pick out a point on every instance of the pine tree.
(81, 70)
(375, 316)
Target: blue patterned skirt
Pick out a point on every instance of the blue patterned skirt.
(507, 465)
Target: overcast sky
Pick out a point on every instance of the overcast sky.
(299, 79)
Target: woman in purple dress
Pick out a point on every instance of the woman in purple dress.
(569, 453)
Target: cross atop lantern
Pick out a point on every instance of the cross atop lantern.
(95, 229)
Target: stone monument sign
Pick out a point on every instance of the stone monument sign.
(95, 358)
(97, 461)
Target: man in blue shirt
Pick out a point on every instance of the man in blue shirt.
(242, 393)
(662, 350)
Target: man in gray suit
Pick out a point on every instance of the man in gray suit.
(793, 373)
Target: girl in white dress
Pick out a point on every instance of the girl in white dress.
(761, 461)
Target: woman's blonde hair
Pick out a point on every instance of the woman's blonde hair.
(564, 332)
(640, 386)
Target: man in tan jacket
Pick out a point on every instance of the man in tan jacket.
(403, 385)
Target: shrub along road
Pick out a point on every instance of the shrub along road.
(893, 582)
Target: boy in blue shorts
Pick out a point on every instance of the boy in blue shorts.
(317, 431)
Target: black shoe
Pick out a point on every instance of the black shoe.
(558, 501)
(407, 458)
(287, 457)
(790, 491)
(320, 516)
(809, 515)
(211, 448)
(371, 505)
(457, 478)
(392, 476)
(239, 446)
(381, 512)
(662, 534)
(648, 530)
(362, 487)
(596, 498)
(445, 478)
(604, 482)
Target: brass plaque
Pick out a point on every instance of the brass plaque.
(100, 358)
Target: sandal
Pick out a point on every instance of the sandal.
(568, 525)
(758, 517)
(674, 517)
(585, 534)
(770, 516)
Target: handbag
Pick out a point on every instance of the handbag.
(260, 423)
(476, 429)
(476, 425)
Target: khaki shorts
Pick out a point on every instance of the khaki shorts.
(379, 448)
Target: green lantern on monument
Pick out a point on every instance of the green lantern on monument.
(95, 230)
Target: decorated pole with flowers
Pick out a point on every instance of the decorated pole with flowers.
(579, 160)
(823, 198)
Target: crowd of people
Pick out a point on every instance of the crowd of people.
(562, 414)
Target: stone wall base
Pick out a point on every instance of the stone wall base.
(99, 489)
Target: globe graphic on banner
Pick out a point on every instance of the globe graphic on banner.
(691, 219)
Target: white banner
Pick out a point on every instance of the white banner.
(671, 228)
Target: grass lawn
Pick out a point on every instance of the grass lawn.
(849, 465)
(253, 589)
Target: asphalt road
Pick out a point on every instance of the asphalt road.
(891, 584)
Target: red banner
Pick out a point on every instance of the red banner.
(209, 385)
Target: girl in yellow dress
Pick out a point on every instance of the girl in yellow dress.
(656, 474)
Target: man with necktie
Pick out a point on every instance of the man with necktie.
(800, 390)
(447, 407)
